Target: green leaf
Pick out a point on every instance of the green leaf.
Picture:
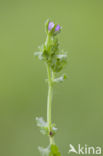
(60, 79)
(54, 151)
(39, 55)
(43, 125)
(62, 56)
(58, 62)
(41, 122)
(44, 151)
(51, 150)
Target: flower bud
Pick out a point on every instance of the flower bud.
(57, 28)
(50, 26)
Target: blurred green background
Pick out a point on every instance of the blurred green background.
(78, 102)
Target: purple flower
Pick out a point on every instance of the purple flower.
(57, 28)
(50, 26)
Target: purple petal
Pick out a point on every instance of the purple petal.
(50, 25)
(57, 28)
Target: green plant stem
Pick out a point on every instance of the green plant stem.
(49, 100)
(50, 93)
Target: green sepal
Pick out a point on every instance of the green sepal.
(52, 31)
(46, 25)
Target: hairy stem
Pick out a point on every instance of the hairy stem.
(49, 100)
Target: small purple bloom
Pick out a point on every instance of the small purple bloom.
(50, 26)
(57, 28)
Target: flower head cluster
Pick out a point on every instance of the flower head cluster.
(50, 51)
(51, 26)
